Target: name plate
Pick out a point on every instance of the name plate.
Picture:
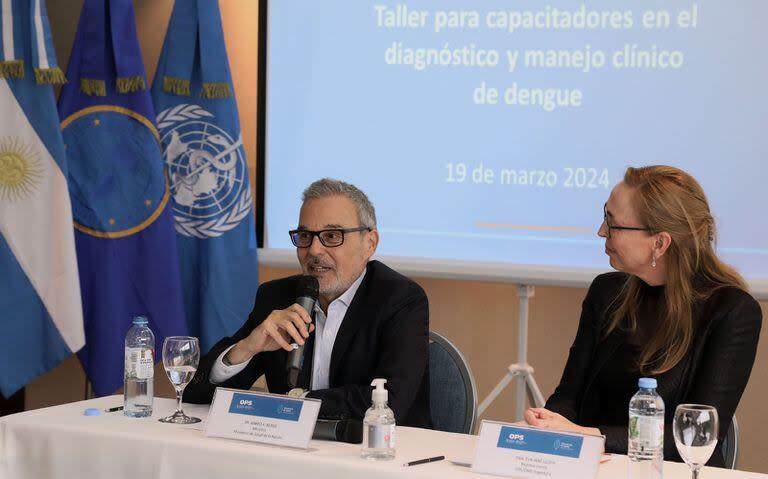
(262, 417)
(526, 452)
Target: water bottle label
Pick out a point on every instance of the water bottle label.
(381, 437)
(139, 363)
(648, 431)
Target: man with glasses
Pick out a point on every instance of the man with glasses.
(369, 321)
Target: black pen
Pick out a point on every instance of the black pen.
(114, 409)
(424, 461)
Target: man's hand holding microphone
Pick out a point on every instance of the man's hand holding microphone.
(280, 329)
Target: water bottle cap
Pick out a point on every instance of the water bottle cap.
(647, 383)
(91, 411)
(140, 320)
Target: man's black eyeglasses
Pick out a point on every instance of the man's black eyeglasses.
(329, 238)
(612, 227)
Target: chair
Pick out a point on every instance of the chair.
(452, 392)
(730, 448)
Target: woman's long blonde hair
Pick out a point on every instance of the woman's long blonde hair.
(669, 199)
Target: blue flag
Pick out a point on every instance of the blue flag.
(205, 160)
(41, 318)
(121, 200)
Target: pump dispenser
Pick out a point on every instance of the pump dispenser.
(379, 426)
(380, 395)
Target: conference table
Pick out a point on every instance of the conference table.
(62, 442)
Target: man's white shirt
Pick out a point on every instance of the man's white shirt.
(326, 329)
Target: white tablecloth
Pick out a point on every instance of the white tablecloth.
(60, 442)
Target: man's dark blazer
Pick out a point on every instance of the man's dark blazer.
(384, 334)
(715, 370)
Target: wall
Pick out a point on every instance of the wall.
(480, 318)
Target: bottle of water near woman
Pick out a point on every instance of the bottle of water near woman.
(139, 379)
(646, 432)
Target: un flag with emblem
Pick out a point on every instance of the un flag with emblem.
(208, 173)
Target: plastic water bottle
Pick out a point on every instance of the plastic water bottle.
(379, 426)
(139, 379)
(646, 432)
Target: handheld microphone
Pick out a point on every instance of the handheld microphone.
(342, 430)
(307, 292)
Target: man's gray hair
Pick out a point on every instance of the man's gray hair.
(366, 214)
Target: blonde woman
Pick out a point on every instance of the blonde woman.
(673, 311)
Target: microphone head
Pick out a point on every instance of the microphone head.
(342, 430)
(351, 431)
(308, 287)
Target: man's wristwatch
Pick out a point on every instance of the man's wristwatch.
(226, 360)
(296, 393)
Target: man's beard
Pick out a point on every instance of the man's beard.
(330, 285)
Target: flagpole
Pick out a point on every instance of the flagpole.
(89, 394)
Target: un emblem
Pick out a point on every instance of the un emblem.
(207, 172)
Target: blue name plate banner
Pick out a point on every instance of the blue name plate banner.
(543, 442)
(527, 453)
(275, 407)
(262, 417)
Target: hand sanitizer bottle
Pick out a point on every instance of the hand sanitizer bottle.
(379, 426)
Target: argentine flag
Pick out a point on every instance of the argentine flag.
(41, 318)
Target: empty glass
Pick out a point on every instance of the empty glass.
(180, 357)
(695, 429)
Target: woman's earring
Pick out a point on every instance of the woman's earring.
(653, 263)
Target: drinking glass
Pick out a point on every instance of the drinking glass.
(180, 357)
(695, 430)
